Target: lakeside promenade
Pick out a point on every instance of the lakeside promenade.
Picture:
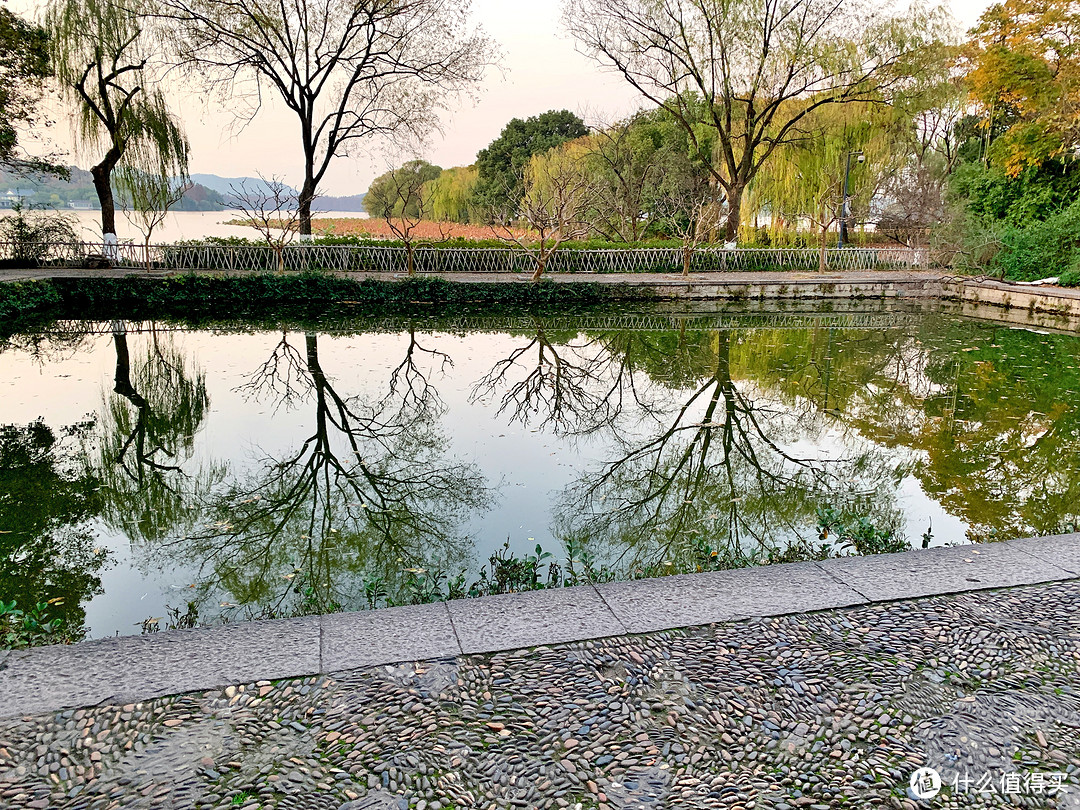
(814, 685)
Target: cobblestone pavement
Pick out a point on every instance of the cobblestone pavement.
(832, 709)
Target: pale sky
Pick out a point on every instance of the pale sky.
(541, 70)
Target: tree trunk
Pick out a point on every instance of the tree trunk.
(102, 174)
(687, 255)
(123, 387)
(409, 253)
(541, 261)
(734, 214)
(822, 261)
(307, 197)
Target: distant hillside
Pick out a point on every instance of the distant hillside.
(51, 192)
(210, 192)
(226, 186)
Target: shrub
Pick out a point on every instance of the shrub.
(34, 234)
(1050, 247)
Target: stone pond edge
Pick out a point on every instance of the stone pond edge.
(1047, 307)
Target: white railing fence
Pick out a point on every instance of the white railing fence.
(394, 259)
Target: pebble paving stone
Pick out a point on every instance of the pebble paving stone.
(832, 709)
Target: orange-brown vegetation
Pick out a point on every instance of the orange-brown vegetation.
(424, 230)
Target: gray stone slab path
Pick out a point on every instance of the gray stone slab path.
(143, 667)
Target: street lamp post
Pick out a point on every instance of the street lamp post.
(845, 210)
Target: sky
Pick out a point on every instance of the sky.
(540, 70)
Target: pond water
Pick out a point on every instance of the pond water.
(163, 472)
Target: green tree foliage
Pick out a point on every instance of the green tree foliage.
(805, 178)
(640, 170)
(1020, 173)
(451, 197)
(1033, 195)
(101, 59)
(399, 192)
(24, 65)
(47, 546)
(501, 166)
(1043, 248)
(33, 235)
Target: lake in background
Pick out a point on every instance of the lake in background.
(181, 225)
(246, 469)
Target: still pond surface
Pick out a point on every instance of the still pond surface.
(149, 471)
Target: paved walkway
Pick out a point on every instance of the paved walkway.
(806, 685)
(826, 710)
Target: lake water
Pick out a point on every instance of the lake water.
(253, 471)
(180, 225)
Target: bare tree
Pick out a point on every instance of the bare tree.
(401, 199)
(686, 203)
(916, 191)
(149, 196)
(740, 76)
(558, 194)
(348, 71)
(691, 214)
(828, 211)
(272, 209)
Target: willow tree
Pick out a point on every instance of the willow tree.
(805, 179)
(101, 58)
(451, 197)
(728, 70)
(348, 71)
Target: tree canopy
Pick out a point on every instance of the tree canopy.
(348, 71)
(501, 166)
(752, 71)
(24, 65)
(1024, 71)
(398, 192)
(47, 546)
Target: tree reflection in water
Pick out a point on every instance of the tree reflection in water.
(151, 484)
(368, 494)
(48, 500)
(556, 381)
(719, 473)
(682, 440)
